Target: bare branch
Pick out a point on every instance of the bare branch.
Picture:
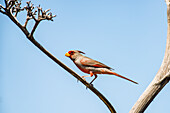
(161, 78)
(29, 8)
(165, 78)
(43, 15)
(47, 10)
(93, 89)
(26, 22)
(17, 8)
(1, 7)
(33, 30)
(5, 2)
(2, 12)
(13, 6)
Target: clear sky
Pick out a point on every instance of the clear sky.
(128, 35)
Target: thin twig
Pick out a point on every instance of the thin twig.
(1, 7)
(11, 4)
(6, 3)
(26, 22)
(2, 12)
(33, 30)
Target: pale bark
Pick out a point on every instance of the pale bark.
(161, 78)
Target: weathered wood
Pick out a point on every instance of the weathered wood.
(161, 78)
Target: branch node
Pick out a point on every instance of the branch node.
(166, 77)
(17, 8)
(10, 4)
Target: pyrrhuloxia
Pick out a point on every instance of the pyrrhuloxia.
(90, 66)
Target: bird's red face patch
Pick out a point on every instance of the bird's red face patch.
(71, 52)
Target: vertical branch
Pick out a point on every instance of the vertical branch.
(161, 78)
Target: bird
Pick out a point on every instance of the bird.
(90, 66)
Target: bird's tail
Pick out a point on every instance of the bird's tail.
(113, 73)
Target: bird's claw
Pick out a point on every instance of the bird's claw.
(83, 78)
(91, 85)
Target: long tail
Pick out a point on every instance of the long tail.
(123, 77)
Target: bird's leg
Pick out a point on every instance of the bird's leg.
(91, 74)
(94, 78)
(83, 77)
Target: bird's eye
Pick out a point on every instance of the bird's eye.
(71, 52)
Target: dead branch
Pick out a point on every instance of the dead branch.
(2, 9)
(13, 7)
(161, 78)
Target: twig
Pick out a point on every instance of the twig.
(43, 16)
(5, 3)
(1, 7)
(2, 12)
(17, 8)
(11, 4)
(33, 30)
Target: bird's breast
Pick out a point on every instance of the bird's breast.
(83, 69)
(80, 66)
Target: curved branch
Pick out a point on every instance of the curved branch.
(30, 37)
(93, 89)
(161, 78)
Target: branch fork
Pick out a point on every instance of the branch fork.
(13, 7)
(166, 77)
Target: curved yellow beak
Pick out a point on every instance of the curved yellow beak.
(67, 55)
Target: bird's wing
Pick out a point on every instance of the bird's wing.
(93, 63)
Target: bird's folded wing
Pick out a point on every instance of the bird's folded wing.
(93, 63)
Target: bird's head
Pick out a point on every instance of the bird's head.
(73, 54)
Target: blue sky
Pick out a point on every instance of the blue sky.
(129, 36)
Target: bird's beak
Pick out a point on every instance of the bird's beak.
(67, 55)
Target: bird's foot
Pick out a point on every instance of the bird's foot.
(83, 77)
(77, 80)
(91, 85)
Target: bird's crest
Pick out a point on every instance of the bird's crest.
(80, 52)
